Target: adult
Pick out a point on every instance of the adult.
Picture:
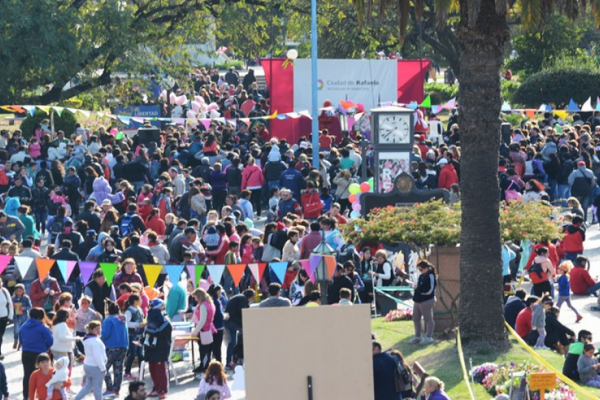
(582, 181)
(176, 301)
(131, 222)
(158, 250)
(582, 284)
(275, 299)
(6, 312)
(11, 227)
(572, 243)
(339, 281)
(40, 196)
(448, 175)
(36, 338)
(523, 324)
(110, 254)
(44, 293)
(310, 241)
(41, 376)
(90, 215)
(514, 305)
(186, 242)
(56, 223)
(291, 250)
(541, 271)
(558, 336)
(23, 193)
(102, 191)
(127, 274)
(204, 317)
(28, 221)
(137, 391)
(253, 180)
(424, 301)
(157, 348)
(234, 324)
(62, 335)
(384, 372)
(98, 290)
(116, 341)
(216, 292)
(94, 364)
(31, 273)
(65, 252)
(382, 275)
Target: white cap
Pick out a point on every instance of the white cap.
(442, 161)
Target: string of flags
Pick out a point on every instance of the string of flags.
(152, 271)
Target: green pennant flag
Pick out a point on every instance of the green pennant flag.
(109, 270)
(199, 270)
(426, 103)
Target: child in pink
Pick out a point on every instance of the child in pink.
(35, 150)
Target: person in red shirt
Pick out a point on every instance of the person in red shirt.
(218, 254)
(572, 243)
(325, 141)
(39, 378)
(264, 134)
(448, 175)
(419, 142)
(581, 282)
(523, 325)
(335, 213)
(552, 254)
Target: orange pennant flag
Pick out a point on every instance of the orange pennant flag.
(530, 113)
(331, 264)
(237, 272)
(43, 265)
(346, 104)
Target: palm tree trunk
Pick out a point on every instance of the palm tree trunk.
(481, 49)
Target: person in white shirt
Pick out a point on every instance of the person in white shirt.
(62, 335)
(6, 312)
(94, 364)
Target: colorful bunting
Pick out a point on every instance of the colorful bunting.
(347, 104)
(43, 266)
(191, 269)
(573, 107)
(562, 114)
(530, 113)
(23, 264)
(58, 110)
(66, 268)
(30, 109)
(313, 264)
(331, 264)
(4, 261)
(237, 272)
(279, 269)
(506, 107)
(45, 109)
(587, 106)
(257, 269)
(174, 272)
(215, 271)
(152, 272)
(87, 268)
(426, 103)
(109, 270)
(198, 270)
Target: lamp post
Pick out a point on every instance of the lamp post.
(315, 98)
(323, 249)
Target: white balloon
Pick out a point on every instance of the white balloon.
(292, 54)
(214, 114)
(181, 100)
(172, 98)
(191, 114)
(195, 106)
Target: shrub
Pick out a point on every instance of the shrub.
(66, 122)
(440, 92)
(222, 66)
(508, 89)
(556, 86)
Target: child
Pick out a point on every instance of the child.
(575, 351)
(22, 305)
(231, 257)
(214, 379)
(60, 375)
(326, 198)
(83, 316)
(274, 199)
(538, 319)
(246, 249)
(588, 366)
(35, 150)
(564, 288)
(257, 249)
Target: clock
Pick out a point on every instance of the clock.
(394, 129)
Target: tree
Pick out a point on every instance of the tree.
(482, 32)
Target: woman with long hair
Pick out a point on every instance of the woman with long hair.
(57, 169)
(424, 300)
(203, 317)
(63, 336)
(155, 223)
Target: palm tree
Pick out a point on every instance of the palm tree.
(482, 33)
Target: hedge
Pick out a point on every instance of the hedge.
(66, 122)
(557, 86)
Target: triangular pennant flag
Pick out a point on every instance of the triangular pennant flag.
(346, 104)
(451, 104)
(124, 120)
(305, 113)
(216, 272)
(198, 270)
(205, 122)
(505, 107)
(109, 270)
(87, 268)
(233, 122)
(237, 272)
(58, 110)
(412, 105)
(245, 121)
(313, 264)
(543, 108)
(45, 109)
(436, 109)
(85, 113)
(562, 114)
(279, 269)
(66, 268)
(305, 265)
(138, 119)
(8, 108)
(43, 266)
(30, 109)
(530, 113)
(174, 272)
(100, 114)
(597, 103)
(191, 269)
(23, 264)
(426, 103)
(587, 106)
(331, 264)
(257, 270)
(152, 271)
(72, 110)
(573, 107)
(4, 261)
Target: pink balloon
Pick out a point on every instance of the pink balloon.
(199, 99)
(356, 206)
(113, 131)
(181, 100)
(365, 187)
(195, 106)
(172, 98)
(213, 106)
(191, 114)
(360, 107)
(163, 95)
(203, 108)
(214, 114)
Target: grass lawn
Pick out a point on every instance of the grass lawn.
(441, 358)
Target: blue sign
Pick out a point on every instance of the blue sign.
(152, 111)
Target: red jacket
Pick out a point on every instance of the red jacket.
(37, 295)
(218, 254)
(309, 197)
(552, 255)
(252, 177)
(581, 280)
(156, 224)
(523, 324)
(573, 240)
(448, 177)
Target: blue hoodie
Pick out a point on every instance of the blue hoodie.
(114, 332)
(35, 336)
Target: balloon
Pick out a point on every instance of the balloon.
(113, 131)
(213, 106)
(354, 188)
(214, 114)
(190, 114)
(120, 136)
(172, 98)
(163, 96)
(181, 100)
(195, 106)
(358, 196)
(249, 223)
(355, 214)
(360, 107)
(203, 108)
(352, 198)
(356, 206)
(365, 187)
(370, 182)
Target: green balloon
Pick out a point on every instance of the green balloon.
(354, 188)
(119, 136)
(370, 182)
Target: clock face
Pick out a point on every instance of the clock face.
(394, 129)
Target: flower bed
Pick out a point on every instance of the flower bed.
(403, 314)
(496, 379)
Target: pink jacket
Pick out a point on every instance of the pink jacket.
(252, 177)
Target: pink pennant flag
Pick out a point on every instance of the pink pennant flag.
(351, 122)
(191, 269)
(305, 265)
(4, 261)
(451, 104)
(87, 269)
(205, 122)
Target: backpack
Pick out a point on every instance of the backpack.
(401, 376)
(537, 274)
(57, 227)
(126, 225)
(348, 253)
